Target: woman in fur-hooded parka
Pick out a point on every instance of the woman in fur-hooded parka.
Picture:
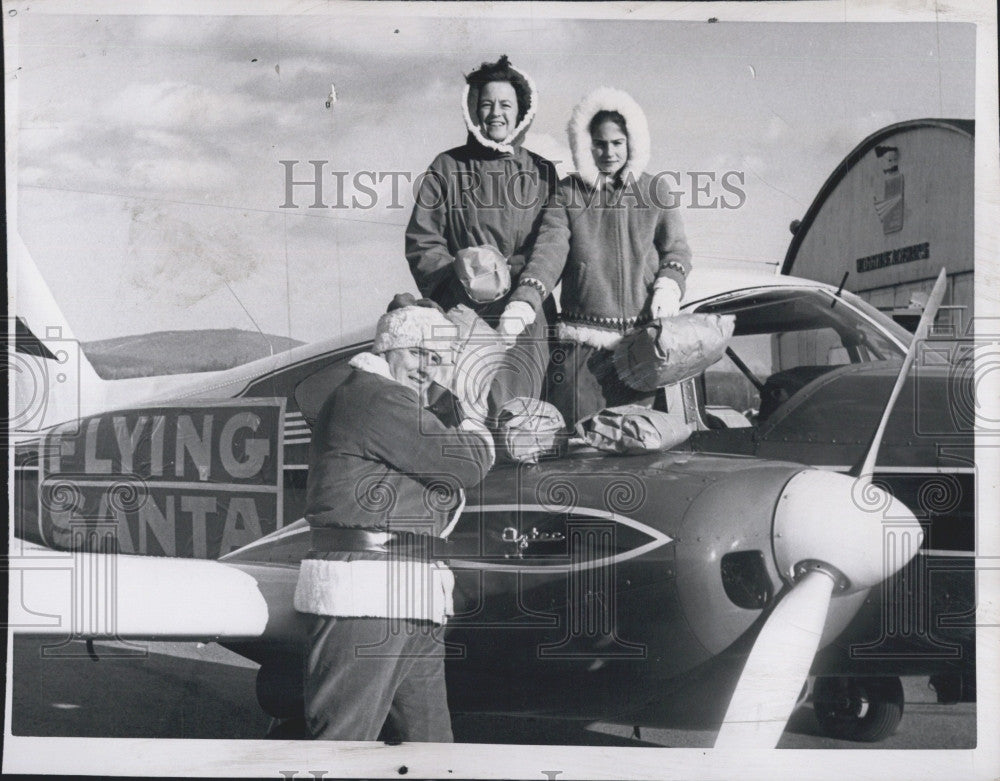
(611, 241)
(486, 192)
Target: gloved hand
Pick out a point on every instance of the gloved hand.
(666, 300)
(517, 316)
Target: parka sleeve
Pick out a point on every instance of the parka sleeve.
(543, 194)
(548, 255)
(414, 440)
(426, 244)
(672, 247)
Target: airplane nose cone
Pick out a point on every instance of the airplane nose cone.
(852, 529)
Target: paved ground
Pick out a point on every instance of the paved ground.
(208, 692)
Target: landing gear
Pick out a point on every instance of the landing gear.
(954, 687)
(862, 709)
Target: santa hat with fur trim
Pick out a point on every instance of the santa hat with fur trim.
(637, 129)
(413, 323)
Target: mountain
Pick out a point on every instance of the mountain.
(178, 352)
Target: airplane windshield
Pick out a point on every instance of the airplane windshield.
(881, 319)
(783, 340)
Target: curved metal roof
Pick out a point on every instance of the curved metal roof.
(964, 126)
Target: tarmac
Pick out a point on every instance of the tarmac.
(190, 690)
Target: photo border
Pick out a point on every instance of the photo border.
(207, 757)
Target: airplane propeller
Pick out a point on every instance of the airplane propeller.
(825, 541)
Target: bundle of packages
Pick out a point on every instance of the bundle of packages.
(672, 349)
(483, 272)
(632, 428)
(528, 429)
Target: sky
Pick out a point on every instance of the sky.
(148, 174)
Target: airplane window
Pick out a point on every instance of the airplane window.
(784, 339)
(727, 386)
(882, 320)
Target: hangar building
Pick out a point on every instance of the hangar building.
(897, 208)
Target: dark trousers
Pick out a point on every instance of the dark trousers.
(365, 673)
(582, 380)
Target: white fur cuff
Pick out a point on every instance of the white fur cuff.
(385, 588)
(589, 335)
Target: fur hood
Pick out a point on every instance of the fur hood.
(470, 100)
(608, 99)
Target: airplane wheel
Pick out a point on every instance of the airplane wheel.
(862, 709)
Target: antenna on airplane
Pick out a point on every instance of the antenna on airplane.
(824, 542)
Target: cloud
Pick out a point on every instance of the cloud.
(546, 145)
(777, 131)
(68, 168)
(183, 255)
(161, 164)
(174, 104)
(159, 111)
(842, 138)
(271, 39)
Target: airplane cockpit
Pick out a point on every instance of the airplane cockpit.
(784, 340)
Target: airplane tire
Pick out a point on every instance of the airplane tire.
(866, 710)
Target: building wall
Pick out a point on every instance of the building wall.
(895, 211)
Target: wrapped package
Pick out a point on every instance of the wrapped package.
(528, 429)
(631, 428)
(483, 272)
(672, 349)
(479, 354)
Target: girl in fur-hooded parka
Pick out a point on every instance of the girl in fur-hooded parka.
(612, 238)
(489, 192)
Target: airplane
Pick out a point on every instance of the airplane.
(690, 584)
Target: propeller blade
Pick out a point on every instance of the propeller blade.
(866, 465)
(778, 665)
(780, 659)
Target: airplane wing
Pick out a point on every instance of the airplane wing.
(118, 596)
